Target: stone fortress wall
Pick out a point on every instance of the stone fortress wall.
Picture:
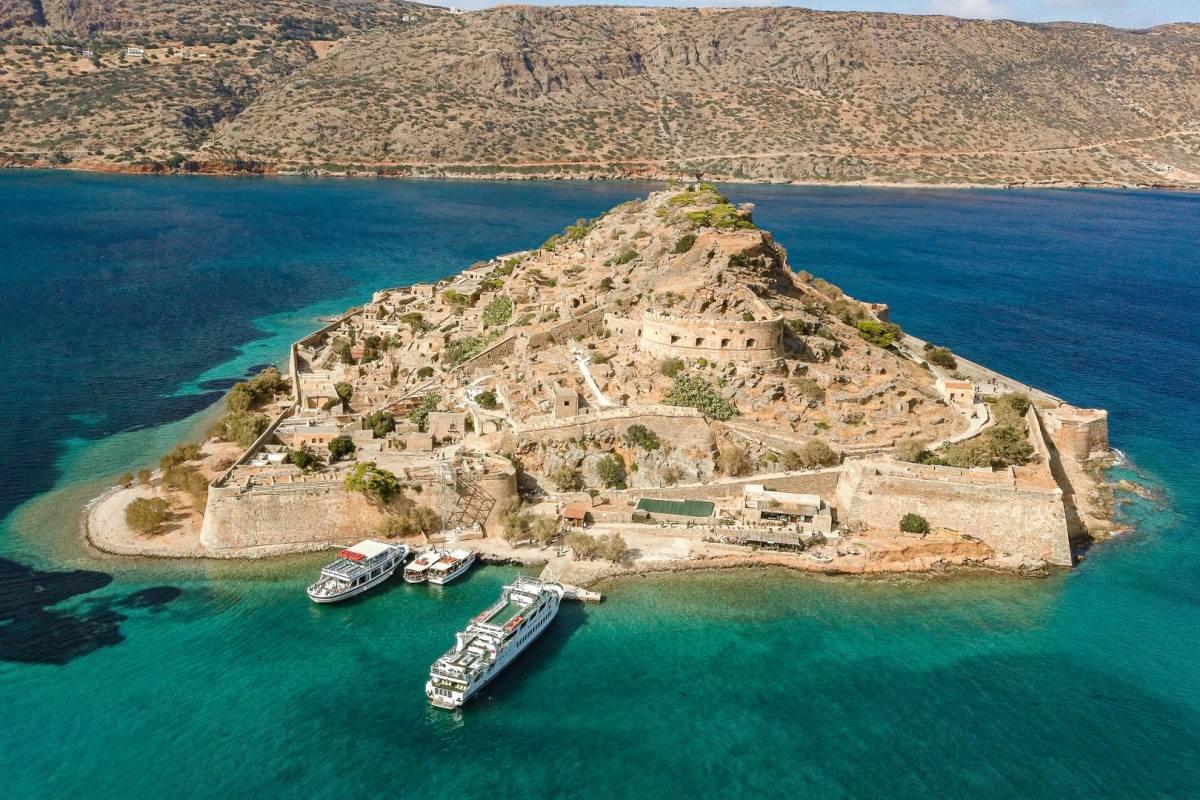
(716, 340)
(1078, 432)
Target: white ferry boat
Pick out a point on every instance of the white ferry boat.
(417, 570)
(492, 640)
(357, 569)
(452, 564)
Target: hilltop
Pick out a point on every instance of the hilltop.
(755, 94)
(662, 361)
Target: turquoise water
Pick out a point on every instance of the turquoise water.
(128, 303)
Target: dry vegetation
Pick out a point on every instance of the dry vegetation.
(782, 94)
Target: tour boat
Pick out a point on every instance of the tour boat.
(452, 564)
(493, 640)
(357, 569)
(417, 570)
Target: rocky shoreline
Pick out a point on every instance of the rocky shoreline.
(221, 169)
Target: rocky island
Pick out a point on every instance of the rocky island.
(656, 388)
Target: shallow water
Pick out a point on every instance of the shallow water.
(127, 303)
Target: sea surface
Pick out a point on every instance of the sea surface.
(127, 304)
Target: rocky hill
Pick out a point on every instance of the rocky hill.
(768, 94)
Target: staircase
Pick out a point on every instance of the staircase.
(473, 505)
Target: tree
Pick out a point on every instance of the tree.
(411, 521)
(381, 423)
(733, 460)
(941, 357)
(125, 480)
(611, 471)
(420, 414)
(968, 455)
(815, 453)
(914, 523)
(373, 482)
(303, 459)
(340, 447)
(670, 474)
(425, 372)
(877, 333)
(583, 545)
(566, 478)
(147, 514)
(1009, 445)
(514, 526)
(544, 529)
(613, 547)
(641, 436)
(486, 400)
(180, 454)
(242, 427)
(344, 390)
(670, 366)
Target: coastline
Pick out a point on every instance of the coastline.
(432, 174)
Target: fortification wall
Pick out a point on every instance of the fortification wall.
(1078, 432)
(717, 340)
(284, 519)
(684, 428)
(823, 483)
(990, 507)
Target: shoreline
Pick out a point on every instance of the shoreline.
(501, 177)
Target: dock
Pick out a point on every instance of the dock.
(582, 595)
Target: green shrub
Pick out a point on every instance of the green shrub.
(340, 447)
(643, 437)
(877, 333)
(611, 471)
(373, 482)
(684, 243)
(914, 523)
(381, 423)
(694, 392)
(425, 372)
(670, 367)
(420, 414)
(941, 357)
(486, 400)
(147, 514)
(566, 478)
(498, 311)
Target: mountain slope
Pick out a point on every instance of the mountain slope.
(779, 94)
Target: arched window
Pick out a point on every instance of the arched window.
(725, 343)
(749, 343)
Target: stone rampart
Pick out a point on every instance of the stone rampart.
(988, 506)
(1078, 433)
(682, 428)
(716, 340)
(284, 519)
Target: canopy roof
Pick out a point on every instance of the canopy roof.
(369, 548)
(683, 508)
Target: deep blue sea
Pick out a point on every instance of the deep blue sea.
(127, 304)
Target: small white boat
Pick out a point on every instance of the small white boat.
(417, 570)
(357, 569)
(452, 564)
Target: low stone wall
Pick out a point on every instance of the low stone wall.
(1010, 520)
(684, 428)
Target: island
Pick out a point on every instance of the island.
(653, 389)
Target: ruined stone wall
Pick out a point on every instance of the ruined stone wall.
(498, 351)
(284, 519)
(579, 327)
(990, 507)
(823, 484)
(716, 340)
(684, 428)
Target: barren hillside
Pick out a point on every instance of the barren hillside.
(778, 94)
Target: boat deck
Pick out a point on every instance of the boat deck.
(506, 612)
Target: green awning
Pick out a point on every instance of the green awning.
(682, 508)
